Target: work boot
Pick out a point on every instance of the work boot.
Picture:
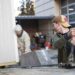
(68, 66)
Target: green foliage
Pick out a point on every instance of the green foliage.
(29, 9)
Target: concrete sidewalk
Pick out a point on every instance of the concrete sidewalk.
(37, 71)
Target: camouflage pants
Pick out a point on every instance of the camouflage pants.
(63, 55)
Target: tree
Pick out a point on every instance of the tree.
(29, 9)
(22, 8)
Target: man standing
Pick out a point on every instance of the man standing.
(67, 35)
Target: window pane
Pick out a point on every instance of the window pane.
(64, 10)
(72, 18)
(63, 2)
(71, 1)
(73, 25)
(71, 8)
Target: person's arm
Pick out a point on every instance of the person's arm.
(27, 43)
(67, 36)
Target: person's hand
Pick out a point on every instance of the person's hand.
(73, 40)
(72, 30)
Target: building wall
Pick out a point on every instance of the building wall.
(46, 27)
(44, 7)
(8, 40)
(47, 7)
(57, 7)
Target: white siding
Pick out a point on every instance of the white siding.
(44, 7)
(8, 42)
(48, 12)
(41, 2)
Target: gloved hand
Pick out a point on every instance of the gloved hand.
(72, 30)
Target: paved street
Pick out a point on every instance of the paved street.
(50, 70)
(37, 71)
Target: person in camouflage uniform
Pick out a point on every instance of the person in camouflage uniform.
(63, 43)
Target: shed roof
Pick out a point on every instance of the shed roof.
(34, 17)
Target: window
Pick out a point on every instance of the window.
(73, 25)
(71, 8)
(72, 18)
(63, 2)
(64, 10)
(71, 1)
(68, 9)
